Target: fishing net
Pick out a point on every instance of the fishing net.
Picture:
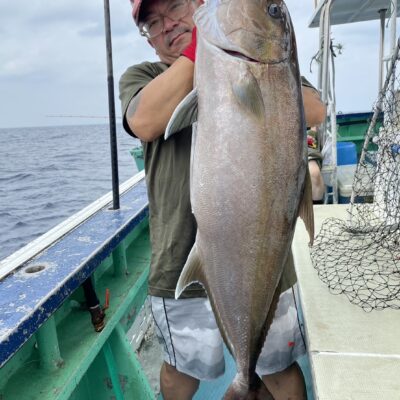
(360, 257)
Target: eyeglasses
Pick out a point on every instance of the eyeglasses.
(154, 26)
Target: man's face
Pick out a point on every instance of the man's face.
(176, 35)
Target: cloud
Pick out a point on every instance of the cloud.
(53, 60)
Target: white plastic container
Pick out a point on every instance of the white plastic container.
(345, 177)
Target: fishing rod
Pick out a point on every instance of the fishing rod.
(111, 108)
(92, 301)
(80, 116)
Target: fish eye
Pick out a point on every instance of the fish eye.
(274, 11)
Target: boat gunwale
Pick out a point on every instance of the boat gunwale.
(34, 312)
(32, 249)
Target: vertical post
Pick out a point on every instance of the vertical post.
(119, 260)
(47, 341)
(111, 108)
(393, 40)
(325, 84)
(321, 44)
(145, 391)
(113, 371)
(382, 14)
(393, 27)
(326, 50)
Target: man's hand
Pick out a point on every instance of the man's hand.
(190, 51)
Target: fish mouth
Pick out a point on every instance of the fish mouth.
(241, 56)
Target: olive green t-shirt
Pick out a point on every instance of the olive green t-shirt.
(172, 224)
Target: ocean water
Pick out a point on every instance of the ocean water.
(47, 174)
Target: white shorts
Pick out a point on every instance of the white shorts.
(193, 345)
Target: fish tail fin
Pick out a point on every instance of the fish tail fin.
(238, 390)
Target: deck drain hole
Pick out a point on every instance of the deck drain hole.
(34, 269)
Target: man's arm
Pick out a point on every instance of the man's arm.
(149, 116)
(314, 108)
(149, 112)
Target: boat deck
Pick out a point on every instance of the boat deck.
(353, 354)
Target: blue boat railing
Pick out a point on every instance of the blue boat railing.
(46, 336)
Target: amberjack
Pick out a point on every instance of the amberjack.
(249, 170)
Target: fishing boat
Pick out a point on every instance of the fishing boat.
(49, 349)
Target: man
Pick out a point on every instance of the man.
(315, 115)
(315, 165)
(149, 93)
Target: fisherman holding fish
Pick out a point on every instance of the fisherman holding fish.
(149, 93)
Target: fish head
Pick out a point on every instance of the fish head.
(256, 30)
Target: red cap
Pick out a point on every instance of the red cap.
(136, 9)
(136, 4)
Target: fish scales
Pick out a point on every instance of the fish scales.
(248, 172)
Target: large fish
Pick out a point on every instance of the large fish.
(249, 175)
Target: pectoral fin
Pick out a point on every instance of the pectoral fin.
(184, 115)
(306, 211)
(248, 94)
(191, 272)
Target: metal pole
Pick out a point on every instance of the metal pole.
(326, 51)
(111, 108)
(321, 46)
(393, 30)
(382, 14)
(328, 128)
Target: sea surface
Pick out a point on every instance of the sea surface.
(47, 174)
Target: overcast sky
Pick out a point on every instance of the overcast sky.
(53, 62)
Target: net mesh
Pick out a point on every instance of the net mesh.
(360, 257)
